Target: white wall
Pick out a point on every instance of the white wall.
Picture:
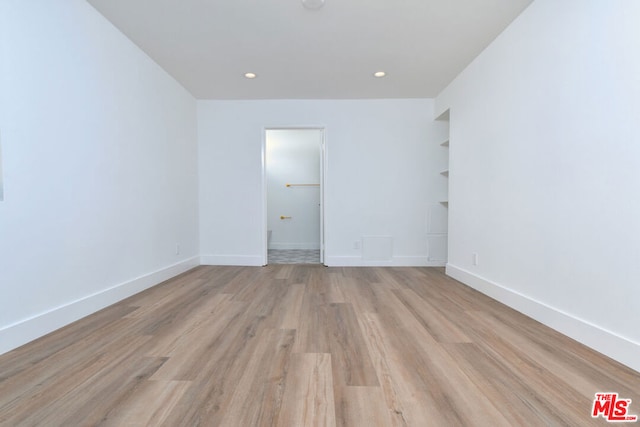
(545, 170)
(1, 174)
(100, 168)
(293, 157)
(382, 175)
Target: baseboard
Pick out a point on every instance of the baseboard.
(606, 342)
(398, 261)
(243, 260)
(24, 331)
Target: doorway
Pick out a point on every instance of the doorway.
(293, 187)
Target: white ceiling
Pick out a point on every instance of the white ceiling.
(207, 45)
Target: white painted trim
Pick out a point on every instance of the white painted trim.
(265, 213)
(396, 261)
(24, 331)
(243, 260)
(323, 186)
(606, 342)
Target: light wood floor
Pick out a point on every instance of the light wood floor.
(295, 345)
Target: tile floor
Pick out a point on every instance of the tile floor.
(293, 256)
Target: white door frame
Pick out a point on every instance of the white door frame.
(323, 175)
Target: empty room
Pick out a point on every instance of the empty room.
(319, 212)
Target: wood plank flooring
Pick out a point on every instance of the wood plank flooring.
(305, 345)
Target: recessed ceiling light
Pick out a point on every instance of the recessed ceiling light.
(379, 74)
(313, 4)
(250, 75)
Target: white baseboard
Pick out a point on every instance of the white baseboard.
(606, 342)
(24, 331)
(243, 260)
(397, 261)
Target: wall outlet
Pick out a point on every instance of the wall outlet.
(356, 244)
(177, 248)
(475, 258)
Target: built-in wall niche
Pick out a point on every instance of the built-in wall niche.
(437, 221)
(444, 117)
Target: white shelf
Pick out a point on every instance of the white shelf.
(444, 117)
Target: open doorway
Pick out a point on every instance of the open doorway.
(293, 164)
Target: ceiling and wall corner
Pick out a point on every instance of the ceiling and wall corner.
(329, 53)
